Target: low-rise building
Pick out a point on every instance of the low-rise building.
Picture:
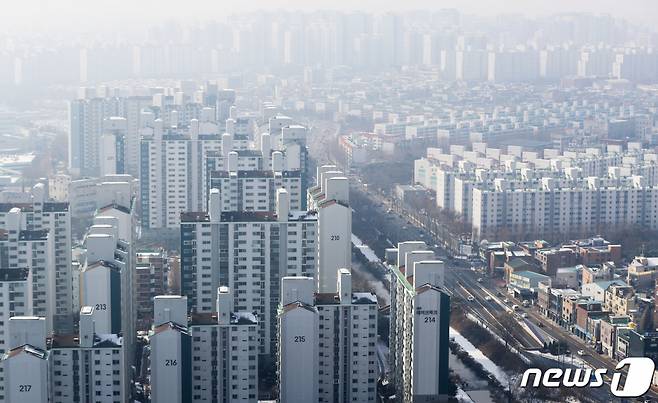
(642, 272)
(609, 329)
(631, 343)
(553, 258)
(586, 312)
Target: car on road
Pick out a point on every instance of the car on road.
(581, 352)
(524, 315)
(487, 298)
(470, 298)
(526, 303)
(506, 301)
(479, 279)
(515, 307)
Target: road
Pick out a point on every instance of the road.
(485, 304)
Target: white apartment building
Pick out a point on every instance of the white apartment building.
(88, 367)
(15, 301)
(15, 297)
(574, 193)
(85, 132)
(256, 190)
(225, 344)
(420, 323)
(111, 159)
(107, 277)
(31, 250)
(53, 220)
(88, 194)
(330, 198)
(564, 207)
(25, 364)
(213, 358)
(285, 166)
(425, 173)
(170, 361)
(173, 176)
(326, 350)
(98, 121)
(249, 252)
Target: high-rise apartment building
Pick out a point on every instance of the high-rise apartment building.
(85, 132)
(107, 278)
(249, 252)
(326, 346)
(211, 358)
(172, 172)
(45, 247)
(330, 199)
(25, 364)
(15, 296)
(151, 269)
(89, 366)
(270, 164)
(255, 190)
(420, 324)
(15, 300)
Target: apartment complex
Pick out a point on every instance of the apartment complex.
(172, 171)
(330, 199)
(106, 280)
(248, 251)
(45, 247)
(213, 357)
(420, 323)
(326, 350)
(151, 269)
(26, 362)
(89, 366)
(520, 193)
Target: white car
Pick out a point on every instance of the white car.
(580, 352)
(471, 298)
(506, 301)
(524, 315)
(487, 298)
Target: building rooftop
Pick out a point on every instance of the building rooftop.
(73, 341)
(27, 349)
(210, 318)
(261, 173)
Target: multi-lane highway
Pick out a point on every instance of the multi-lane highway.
(486, 302)
(480, 298)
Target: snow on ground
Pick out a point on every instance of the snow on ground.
(574, 360)
(462, 396)
(479, 356)
(365, 249)
(497, 337)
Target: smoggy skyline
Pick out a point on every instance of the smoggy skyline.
(47, 15)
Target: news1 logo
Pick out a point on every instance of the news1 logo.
(638, 378)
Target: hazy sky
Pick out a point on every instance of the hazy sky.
(35, 14)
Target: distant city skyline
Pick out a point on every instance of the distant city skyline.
(47, 15)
